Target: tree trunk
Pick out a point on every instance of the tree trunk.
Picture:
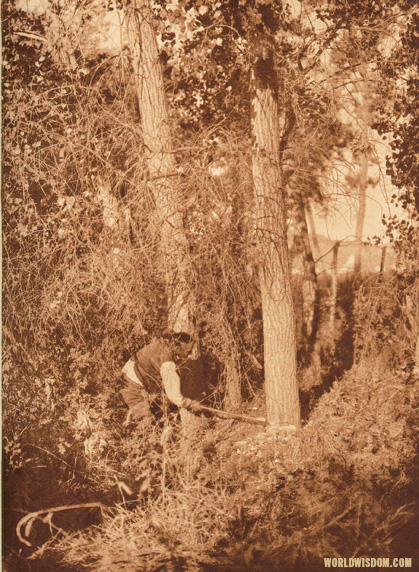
(382, 261)
(233, 381)
(364, 117)
(415, 371)
(362, 202)
(309, 287)
(282, 401)
(334, 292)
(316, 247)
(158, 149)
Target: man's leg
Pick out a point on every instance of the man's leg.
(137, 400)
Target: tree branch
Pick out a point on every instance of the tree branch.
(49, 512)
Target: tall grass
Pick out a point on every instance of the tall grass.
(230, 497)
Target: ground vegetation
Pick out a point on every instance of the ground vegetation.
(253, 93)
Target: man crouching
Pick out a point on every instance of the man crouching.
(153, 369)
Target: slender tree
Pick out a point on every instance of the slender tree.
(160, 158)
(307, 267)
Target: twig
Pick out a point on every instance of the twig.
(338, 518)
(48, 453)
(34, 36)
(48, 512)
(14, 342)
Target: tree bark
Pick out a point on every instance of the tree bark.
(415, 371)
(363, 168)
(312, 226)
(334, 288)
(233, 381)
(362, 202)
(382, 261)
(282, 401)
(158, 148)
(309, 286)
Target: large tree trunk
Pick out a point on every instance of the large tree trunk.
(282, 402)
(158, 148)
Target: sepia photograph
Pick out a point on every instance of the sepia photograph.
(210, 285)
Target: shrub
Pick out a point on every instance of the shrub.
(232, 497)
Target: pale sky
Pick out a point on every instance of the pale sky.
(339, 221)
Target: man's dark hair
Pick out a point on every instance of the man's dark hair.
(182, 338)
(177, 337)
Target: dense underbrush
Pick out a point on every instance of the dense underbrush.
(224, 495)
(229, 496)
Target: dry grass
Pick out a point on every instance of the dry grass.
(230, 497)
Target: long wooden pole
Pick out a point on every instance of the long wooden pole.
(228, 415)
(247, 418)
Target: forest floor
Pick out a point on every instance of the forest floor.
(230, 496)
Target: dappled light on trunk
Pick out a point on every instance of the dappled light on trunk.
(277, 305)
(164, 179)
